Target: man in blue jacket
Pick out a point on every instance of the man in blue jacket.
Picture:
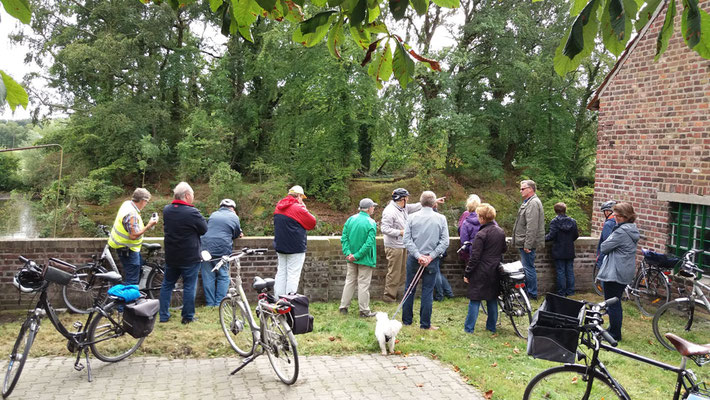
(222, 228)
(183, 226)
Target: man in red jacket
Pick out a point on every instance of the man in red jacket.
(291, 221)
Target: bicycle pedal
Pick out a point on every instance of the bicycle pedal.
(79, 366)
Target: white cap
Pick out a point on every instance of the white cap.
(297, 190)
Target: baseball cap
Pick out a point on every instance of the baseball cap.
(366, 203)
(297, 190)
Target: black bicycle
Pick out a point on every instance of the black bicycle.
(84, 289)
(103, 332)
(592, 380)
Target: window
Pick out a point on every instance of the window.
(690, 229)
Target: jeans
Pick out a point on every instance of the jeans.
(528, 260)
(442, 287)
(189, 284)
(427, 279)
(209, 279)
(472, 316)
(288, 273)
(565, 276)
(131, 261)
(614, 311)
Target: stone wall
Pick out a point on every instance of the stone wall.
(653, 136)
(323, 274)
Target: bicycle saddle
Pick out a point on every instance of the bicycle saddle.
(111, 276)
(687, 348)
(151, 246)
(261, 284)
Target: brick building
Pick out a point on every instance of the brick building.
(654, 140)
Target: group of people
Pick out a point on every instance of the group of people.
(186, 233)
(416, 238)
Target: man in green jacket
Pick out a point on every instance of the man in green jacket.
(360, 251)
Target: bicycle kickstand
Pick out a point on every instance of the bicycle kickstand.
(88, 364)
(245, 362)
(79, 366)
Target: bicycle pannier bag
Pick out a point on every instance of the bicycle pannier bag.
(554, 331)
(139, 317)
(298, 318)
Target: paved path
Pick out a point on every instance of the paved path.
(320, 377)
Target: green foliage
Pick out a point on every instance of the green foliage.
(225, 183)
(12, 93)
(10, 166)
(576, 200)
(94, 191)
(202, 148)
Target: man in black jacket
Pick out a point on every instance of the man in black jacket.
(563, 233)
(183, 226)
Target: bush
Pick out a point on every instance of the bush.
(95, 191)
(225, 183)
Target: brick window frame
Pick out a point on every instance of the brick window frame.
(690, 229)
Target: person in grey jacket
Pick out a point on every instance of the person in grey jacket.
(529, 233)
(426, 237)
(394, 219)
(619, 265)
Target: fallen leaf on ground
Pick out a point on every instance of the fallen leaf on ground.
(420, 385)
(506, 344)
(457, 369)
(401, 367)
(489, 394)
(516, 350)
(332, 338)
(574, 380)
(396, 341)
(397, 352)
(495, 364)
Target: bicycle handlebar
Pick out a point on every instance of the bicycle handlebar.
(23, 259)
(465, 244)
(597, 309)
(239, 254)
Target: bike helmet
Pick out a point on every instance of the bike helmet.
(29, 279)
(399, 193)
(228, 203)
(607, 206)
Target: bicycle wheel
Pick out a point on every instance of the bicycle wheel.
(20, 352)
(569, 382)
(235, 324)
(519, 312)
(108, 341)
(689, 320)
(651, 290)
(81, 292)
(280, 345)
(155, 281)
(597, 283)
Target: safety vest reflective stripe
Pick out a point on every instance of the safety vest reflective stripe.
(119, 237)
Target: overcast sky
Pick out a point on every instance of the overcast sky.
(11, 61)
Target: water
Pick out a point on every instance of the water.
(16, 219)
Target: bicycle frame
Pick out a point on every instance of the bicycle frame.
(685, 378)
(236, 286)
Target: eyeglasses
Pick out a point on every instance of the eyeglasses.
(521, 189)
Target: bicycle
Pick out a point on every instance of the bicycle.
(272, 335)
(650, 288)
(80, 294)
(103, 332)
(592, 380)
(513, 300)
(687, 317)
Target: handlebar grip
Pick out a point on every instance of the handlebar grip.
(23, 259)
(218, 266)
(607, 336)
(609, 302)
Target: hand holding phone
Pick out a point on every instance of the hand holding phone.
(154, 217)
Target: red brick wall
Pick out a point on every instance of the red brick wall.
(322, 278)
(654, 132)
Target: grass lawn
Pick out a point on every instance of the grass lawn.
(496, 362)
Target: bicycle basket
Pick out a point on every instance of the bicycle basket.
(661, 260)
(554, 331)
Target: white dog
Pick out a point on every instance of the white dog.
(386, 330)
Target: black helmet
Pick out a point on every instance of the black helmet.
(607, 206)
(399, 193)
(29, 279)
